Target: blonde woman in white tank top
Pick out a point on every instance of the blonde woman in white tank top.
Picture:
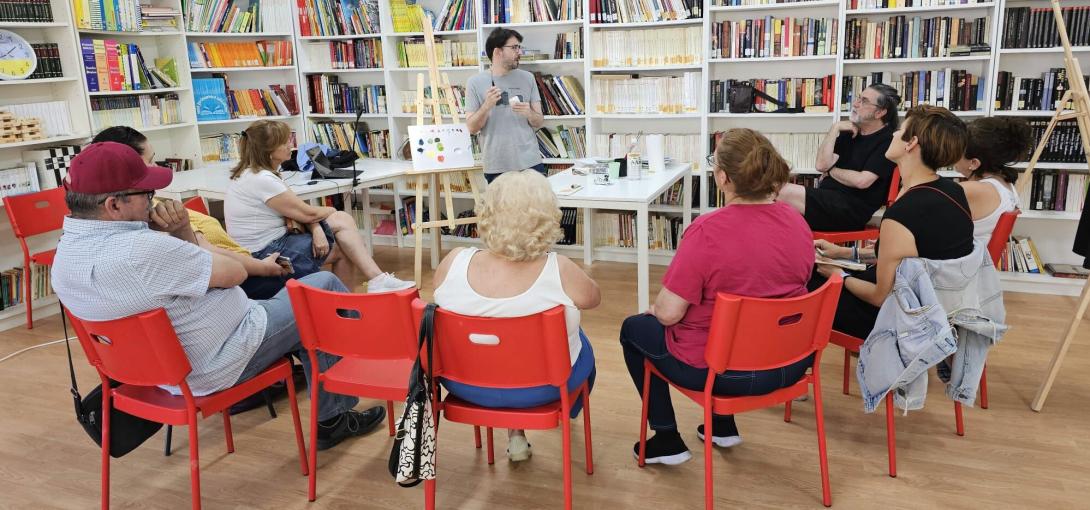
(994, 143)
(513, 276)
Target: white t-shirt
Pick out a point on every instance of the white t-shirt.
(249, 221)
(1008, 201)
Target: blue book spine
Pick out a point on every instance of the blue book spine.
(87, 48)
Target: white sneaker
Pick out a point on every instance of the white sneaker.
(518, 449)
(720, 441)
(387, 282)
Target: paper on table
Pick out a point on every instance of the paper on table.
(568, 190)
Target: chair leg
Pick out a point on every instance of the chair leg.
(227, 431)
(293, 402)
(786, 413)
(105, 439)
(269, 403)
(390, 416)
(587, 442)
(429, 494)
(823, 455)
(847, 371)
(959, 420)
(312, 489)
(194, 462)
(565, 442)
(984, 388)
(642, 461)
(26, 297)
(709, 478)
(477, 437)
(166, 445)
(891, 437)
(491, 454)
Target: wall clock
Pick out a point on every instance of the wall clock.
(17, 58)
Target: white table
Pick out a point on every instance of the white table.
(627, 195)
(211, 181)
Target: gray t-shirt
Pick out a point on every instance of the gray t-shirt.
(507, 140)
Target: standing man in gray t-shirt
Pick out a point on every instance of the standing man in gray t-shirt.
(504, 106)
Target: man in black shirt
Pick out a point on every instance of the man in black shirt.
(852, 159)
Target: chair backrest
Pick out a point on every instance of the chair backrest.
(140, 349)
(196, 204)
(1001, 234)
(894, 186)
(36, 213)
(759, 334)
(371, 326)
(510, 352)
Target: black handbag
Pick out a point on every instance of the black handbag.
(412, 458)
(126, 431)
(741, 98)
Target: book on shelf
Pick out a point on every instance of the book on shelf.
(1026, 27)
(209, 55)
(26, 11)
(560, 95)
(457, 15)
(633, 94)
(166, 69)
(112, 15)
(356, 54)
(647, 48)
(19, 180)
(914, 37)
(569, 45)
(673, 195)
(176, 164)
(562, 142)
(53, 116)
(679, 147)
(408, 100)
(112, 66)
(1065, 144)
(271, 102)
(895, 4)
(617, 229)
(953, 89)
(571, 224)
(754, 3)
(52, 163)
(795, 92)
(159, 19)
(1020, 256)
(339, 135)
(210, 98)
(411, 52)
(12, 287)
(329, 95)
(237, 17)
(333, 17)
(775, 37)
(49, 61)
(635, 11)
(1032, 93)
(798, 149)
(140, 112)
(530, 11)
(407, 16)
(1056, 190)
(220, 147)
(1067, 271)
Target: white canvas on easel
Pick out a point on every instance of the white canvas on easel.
(440, 146)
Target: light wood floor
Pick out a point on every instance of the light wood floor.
(1010, 456)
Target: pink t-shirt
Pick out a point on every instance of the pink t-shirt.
(748, 250)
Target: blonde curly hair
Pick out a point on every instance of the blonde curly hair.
(518, 217)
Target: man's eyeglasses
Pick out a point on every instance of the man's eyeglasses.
(149, 194)
(863, 101)
(516, 47)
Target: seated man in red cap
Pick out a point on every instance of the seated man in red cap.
(111, 263)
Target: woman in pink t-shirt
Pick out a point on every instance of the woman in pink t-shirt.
(753, 246)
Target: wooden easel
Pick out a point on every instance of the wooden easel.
(441, 94)
(1077, 95)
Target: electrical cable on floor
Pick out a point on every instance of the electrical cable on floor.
(20, 351)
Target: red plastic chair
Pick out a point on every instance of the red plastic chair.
(869, 233)
(142, 352)
(514, 352)
(196, 204)
(30, 215)
(760, 334)
(378, 347)
(996, 245)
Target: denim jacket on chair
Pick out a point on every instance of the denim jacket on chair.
(936, 308)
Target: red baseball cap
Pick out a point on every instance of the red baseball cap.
(107, 167)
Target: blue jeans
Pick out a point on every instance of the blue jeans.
(521, 398)
(282, 338)
(296, 247)
(644, 337)
(540, 167)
